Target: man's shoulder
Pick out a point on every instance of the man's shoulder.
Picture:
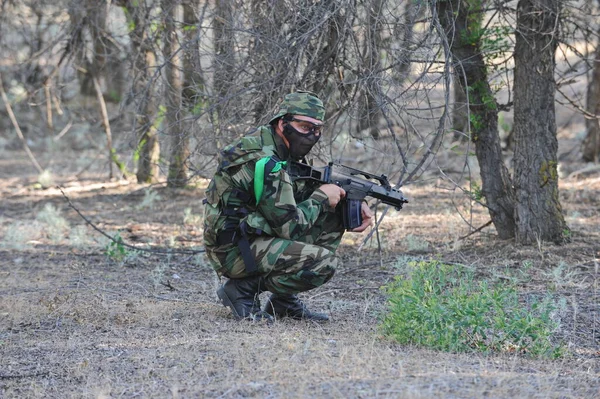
(254, 145)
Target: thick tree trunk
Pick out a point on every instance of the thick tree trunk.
(144, 62)
(591, 143)
(456, 17)
(538, 212)
(177, 175)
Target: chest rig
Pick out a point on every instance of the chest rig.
(234, 194)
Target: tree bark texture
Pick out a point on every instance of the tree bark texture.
(103, 61)
(371, 96)
(460, 115)
(591, 143)
(538, 212)
(144, 60)
(177, 175)
(404, 36)
(193, 82)
(224, 64)
(456, 17)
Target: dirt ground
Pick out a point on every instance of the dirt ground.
(76, 322)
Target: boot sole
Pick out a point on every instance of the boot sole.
(227, 302)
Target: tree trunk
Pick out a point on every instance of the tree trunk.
(370, 100)
(591, 143)
(105, 59)
(103, 62)
(144, 62)
(538, 212)
(404, 35)
(193, 82)
(463, 34)
(460, 116)
(224, 62)
(177, 176)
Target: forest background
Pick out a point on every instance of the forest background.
(484, 112)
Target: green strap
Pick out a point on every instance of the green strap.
(259, 175)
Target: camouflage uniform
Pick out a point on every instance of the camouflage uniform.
(293, 232)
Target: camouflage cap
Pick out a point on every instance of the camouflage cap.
(301, 103)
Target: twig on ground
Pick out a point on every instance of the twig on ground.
(121, 242)
(476, 230)
(169, 285)
(18, 376)
(589, 169)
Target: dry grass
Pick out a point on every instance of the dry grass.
(76, 324)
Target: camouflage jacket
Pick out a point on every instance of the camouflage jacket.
(286, 209)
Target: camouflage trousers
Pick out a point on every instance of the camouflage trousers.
(288, 266)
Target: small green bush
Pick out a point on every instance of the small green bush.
(442, 307)
(115, 249)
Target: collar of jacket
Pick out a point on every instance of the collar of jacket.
(282, 150)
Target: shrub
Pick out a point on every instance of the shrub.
(442, 307)
(55, 225)
(17, 235)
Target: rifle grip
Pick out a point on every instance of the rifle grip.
(351, 213)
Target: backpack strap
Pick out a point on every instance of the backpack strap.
(265, 166)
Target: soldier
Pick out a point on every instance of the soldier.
(265, 232)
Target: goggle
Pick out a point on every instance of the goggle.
(308, 127)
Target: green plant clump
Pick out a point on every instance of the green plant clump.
(115, 249)
(441, 306)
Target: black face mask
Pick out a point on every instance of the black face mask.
(300, 144)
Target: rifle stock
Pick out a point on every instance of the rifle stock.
(358, 184)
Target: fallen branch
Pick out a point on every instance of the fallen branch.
(27, 375)
(476, 230)
(589, 169)
(121, 242)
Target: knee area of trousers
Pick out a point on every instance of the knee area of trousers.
(317, 276)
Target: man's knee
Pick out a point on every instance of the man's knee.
(316, 277)
(302, 273)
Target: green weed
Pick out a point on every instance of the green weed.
(115, 250)
(516, 275)
(442, 307)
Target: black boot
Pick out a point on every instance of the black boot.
(241, 295)
(290, 306)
